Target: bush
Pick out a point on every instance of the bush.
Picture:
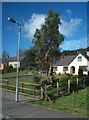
(63, 82)
(43, 81)
(36, 79)
(8, 69)
(87, 80)
(80, 72)
(73, 83)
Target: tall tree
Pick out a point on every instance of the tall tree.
(47, 41)
(30, 57)
(5, 54)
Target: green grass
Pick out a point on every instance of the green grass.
(75, 104)
(12, 74)
(21, 73)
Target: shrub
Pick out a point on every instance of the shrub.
(36, 79)
(54, 80)
(63, 82)
(87, 80)
(43, 81)
(80, 72)
(8, 69)
(73, 83)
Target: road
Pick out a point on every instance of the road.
(21, 109)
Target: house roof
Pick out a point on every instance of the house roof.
(65, 60)
(87, 57)
(4, 60)
(10, 59)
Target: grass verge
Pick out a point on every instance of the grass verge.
(76, 103)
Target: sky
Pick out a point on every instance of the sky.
(32, 15)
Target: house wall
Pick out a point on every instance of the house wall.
(14, 64)
(88, 65)
(77, 63)
(59, 70)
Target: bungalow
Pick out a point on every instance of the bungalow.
(11, 61)
(71, 64)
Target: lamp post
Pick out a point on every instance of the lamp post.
(19, 37)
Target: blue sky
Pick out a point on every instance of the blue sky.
(31, 15)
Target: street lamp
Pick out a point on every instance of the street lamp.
(19, 37)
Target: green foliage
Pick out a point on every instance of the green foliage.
(73, 83)
(46, 43)
(36, 79)
(80, 72)
(30, 56)
(63, 82)
(43, 81)
(8, 69)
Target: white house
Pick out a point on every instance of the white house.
(14, 64)
(12, 61)
(71, 64)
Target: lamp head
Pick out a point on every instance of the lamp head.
(11, 20)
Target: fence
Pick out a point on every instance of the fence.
(24, 88)
(43, 92)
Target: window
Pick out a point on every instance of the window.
(84, 68)
(15, 65)
(65, 68)
(54, 68)
(80, 58)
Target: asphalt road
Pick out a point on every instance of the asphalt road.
(23, 110)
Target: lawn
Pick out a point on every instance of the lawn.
(76, 103)
(12, 74)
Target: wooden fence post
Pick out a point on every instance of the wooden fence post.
(22, 87)
(77, 83)
(45, 92)
(73, 99)
(33, 89)
(57, 88)
(68, 86)
(7, 83)
(84, 81)
(42, 93)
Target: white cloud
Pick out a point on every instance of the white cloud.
(74, 44)
(68, 28)
(32, 24)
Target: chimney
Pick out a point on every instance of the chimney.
(78, 52)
